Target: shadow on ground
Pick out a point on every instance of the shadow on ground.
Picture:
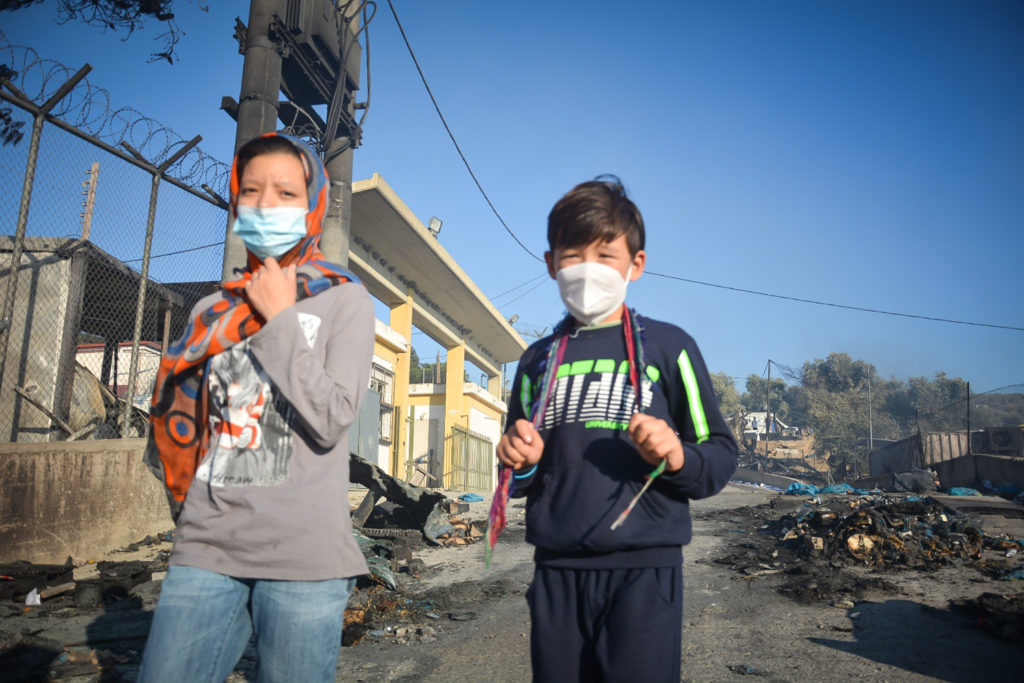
(943, 644)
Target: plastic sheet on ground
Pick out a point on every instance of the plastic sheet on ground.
(798, 488)
(837, 488)
(963, 491)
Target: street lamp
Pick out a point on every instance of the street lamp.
(434, 226)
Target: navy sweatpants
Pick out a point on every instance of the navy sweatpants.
(606, 624)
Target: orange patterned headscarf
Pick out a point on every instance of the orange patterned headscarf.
(179, 412)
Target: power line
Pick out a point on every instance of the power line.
(452, 136)
(181, 251)
(519, 286)
(511, 301)
(462, 156)
(826, 303)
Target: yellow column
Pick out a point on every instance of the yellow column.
(401, 322)
(494, 385)
(455, 412)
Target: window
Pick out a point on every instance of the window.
(383, 382)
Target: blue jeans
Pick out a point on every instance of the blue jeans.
(203, 622)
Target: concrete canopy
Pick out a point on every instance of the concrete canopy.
(396, 257)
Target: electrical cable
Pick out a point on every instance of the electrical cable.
(437, 108)
(510, 301)
(338, 97)
(175, 253)
(826, 303)
(369, 81)
(520, 285)
(458, 149)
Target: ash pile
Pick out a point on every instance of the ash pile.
(881, 532)
(840, 548)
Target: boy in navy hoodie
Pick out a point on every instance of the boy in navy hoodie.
(608, 402)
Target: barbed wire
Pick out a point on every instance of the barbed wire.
(88, 108)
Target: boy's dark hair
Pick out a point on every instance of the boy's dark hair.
(598, 209)
(273, 144)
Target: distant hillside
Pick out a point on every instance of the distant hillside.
(997, 410)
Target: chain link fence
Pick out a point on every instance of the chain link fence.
(114, 229)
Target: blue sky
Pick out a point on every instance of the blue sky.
(863, 154)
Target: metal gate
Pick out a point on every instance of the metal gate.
(472, 461)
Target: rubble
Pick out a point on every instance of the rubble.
(884, 532)
(93, 617)
(842, 548)
(408, 507)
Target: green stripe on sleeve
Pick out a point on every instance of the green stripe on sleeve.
(526, 396)
(700, 420)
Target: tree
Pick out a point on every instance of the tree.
(726, 393)
(117, 15)
(941, 404)
(839, 411)
(997, 410)
(798, 400)
(757, 395)
(11, 131)
(729, 402)
(837, 373)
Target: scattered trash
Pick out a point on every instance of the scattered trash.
(963, 491)
(32, 599)
(916, 481)
(471, 498)
(798, 488)
(837, 488)
(809, 545)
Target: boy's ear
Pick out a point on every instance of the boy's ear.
(549, 259)
(639, 261)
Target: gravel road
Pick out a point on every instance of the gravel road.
(901, 630)
(459, 621)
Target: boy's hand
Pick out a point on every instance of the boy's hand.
(656, 441)
(271, 288)
(521, 446)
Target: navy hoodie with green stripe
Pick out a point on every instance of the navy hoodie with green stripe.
(590, 469)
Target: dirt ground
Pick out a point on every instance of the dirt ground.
(751, 608)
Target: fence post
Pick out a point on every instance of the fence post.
(133, 365)
(39, 114)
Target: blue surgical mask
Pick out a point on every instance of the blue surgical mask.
(271, 231)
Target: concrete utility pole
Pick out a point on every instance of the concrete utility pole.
(281, 54)
(337, 225)
(257, 103)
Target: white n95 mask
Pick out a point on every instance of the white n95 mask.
(592, 291)
(271, 231)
